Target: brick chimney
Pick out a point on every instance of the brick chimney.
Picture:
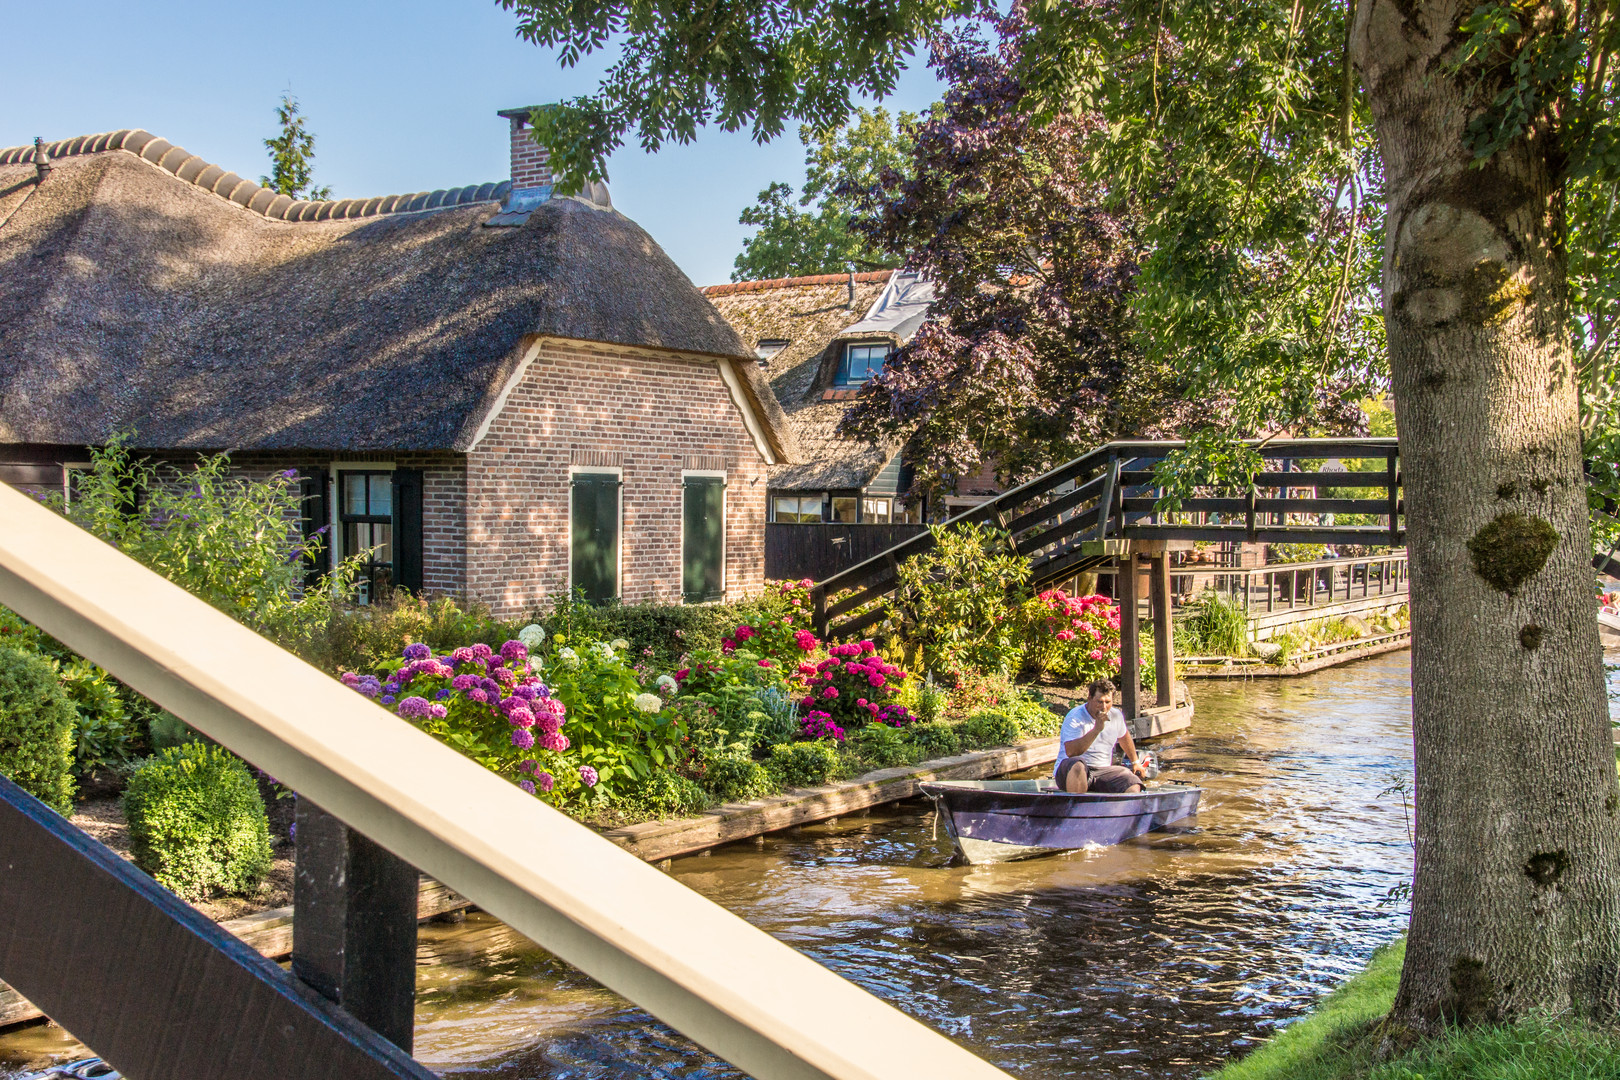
(531, 166)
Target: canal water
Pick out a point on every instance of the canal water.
(1162, 957)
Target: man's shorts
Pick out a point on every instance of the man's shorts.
(1108, 780)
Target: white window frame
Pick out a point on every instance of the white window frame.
(68, 468)
(618, 569)
(725, 530)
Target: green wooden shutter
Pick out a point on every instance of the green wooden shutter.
(594, 536)
(408, 529)
(703, 533)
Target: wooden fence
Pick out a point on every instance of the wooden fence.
(821, 550)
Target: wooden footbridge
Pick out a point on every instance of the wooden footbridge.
(1103, 509)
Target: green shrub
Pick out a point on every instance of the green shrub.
(803, 764)
(956, 598)
(663, 794)
(1217, 627)
(931, 701)
(882, 745)
(993, 727)
(735, 779)
(1034, 718)
(197, 823)
(934, 740)
(36, 729)
(363, 639)
(106, 735)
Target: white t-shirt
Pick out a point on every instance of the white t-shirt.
(1100, 753)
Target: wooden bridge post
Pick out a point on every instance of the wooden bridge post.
(1164, 657)
(354, 924)
(1130, 652)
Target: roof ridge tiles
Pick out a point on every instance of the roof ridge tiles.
(265, 202)
(732, 287)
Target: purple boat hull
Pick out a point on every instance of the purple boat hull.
(994, 821)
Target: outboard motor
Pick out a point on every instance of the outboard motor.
(83, 1069)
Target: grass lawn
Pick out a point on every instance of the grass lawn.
(1336, 1042)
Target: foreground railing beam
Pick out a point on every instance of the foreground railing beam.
(732, 988)
(161, 990)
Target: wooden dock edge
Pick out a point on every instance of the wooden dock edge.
(655, 841)
(270, 932)
(1391, 643)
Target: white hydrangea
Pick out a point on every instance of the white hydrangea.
(602, 649)
(666, 684)
(649, 703)
(532, 636)
(619, 644)
(568, 656)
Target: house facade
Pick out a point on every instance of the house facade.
(495, 392)
(818, 340)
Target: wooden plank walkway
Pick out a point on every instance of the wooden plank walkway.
(1342, 653)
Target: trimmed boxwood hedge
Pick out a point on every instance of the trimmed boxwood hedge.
(36, 729)
(197, 823)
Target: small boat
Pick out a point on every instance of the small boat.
(997, 820)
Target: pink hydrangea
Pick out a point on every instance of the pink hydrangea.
(481, 651)
(463, 655)
(743, 633)
(514, 651)
(805, 640)
(545, 781)
(1065, 635)
(1095, 654)
(349, 679)
(554, 741)
(875, 679)
(587, 776)
(437, 711)
(464, 682)
(520, 718)
(829, 692)
(765, 663)
(478, 696)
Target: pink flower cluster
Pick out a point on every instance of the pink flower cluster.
(820, 725)
(1078, 635)
(854, 684)
(485, 689)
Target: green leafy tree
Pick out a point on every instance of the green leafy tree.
(811, 234)
(1238, 129)
(292, 156)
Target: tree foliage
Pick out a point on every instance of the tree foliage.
(1029, 355)
(814, 236)
(292, 156)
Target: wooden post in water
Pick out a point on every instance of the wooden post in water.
(1130, 653)
(1164, 657)
(354, 924)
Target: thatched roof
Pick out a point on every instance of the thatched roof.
(133, 294)
(811, 314)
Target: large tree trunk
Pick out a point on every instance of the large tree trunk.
(1516, 896)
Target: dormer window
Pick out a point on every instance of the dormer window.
(768, 348)
(861, 362)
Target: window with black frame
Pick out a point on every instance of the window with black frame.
(366, 519)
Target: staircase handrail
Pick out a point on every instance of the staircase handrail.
(732, 988)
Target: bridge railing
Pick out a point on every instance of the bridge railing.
(1076, 516)
(1302, 584)
(160, 991)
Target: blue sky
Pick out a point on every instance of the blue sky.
(401, 97)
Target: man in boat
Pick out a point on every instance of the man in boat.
(1088, 737)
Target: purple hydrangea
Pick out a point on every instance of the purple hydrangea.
(369, 685)
(528, 692)
(391, 686)
(415, 707)
(388, 699)
(545, 781)
(438, 712)
(463, 655)
(505, 676)
(465, 682)
(478, 696)
(527, 785)
(587, 776)
(528, 765)
(522, 738)
(442, 694)
(417, 651)
(490, 687)
(513, 651)
(481, 651)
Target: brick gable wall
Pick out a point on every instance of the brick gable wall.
(651, 415)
